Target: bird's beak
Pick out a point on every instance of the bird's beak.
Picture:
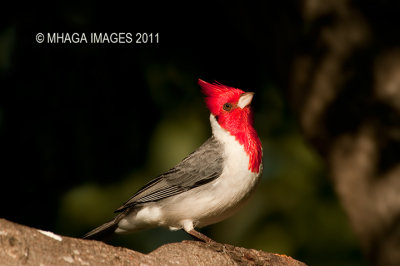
(245, 99)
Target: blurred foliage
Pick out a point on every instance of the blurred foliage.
(83, 127)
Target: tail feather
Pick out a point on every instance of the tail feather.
(103, 231)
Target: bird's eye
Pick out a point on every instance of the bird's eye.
(227, 106)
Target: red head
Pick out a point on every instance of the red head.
(231, 108)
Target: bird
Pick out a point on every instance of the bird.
(207, 186)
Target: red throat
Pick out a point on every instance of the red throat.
(240, 125)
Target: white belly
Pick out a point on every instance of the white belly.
(212, 202)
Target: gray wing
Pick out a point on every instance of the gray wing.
(200, 167)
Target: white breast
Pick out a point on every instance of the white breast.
(236, 183)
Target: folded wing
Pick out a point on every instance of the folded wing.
(198, 168)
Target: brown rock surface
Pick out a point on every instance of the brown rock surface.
(22, 245)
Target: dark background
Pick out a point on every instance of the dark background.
(83, 126)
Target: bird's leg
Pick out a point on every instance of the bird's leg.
(200, 236)
(189, 228)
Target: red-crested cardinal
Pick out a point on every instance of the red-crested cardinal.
(210, 184)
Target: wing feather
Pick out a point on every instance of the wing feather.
(198, 168)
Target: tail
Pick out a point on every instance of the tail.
(103, 231)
